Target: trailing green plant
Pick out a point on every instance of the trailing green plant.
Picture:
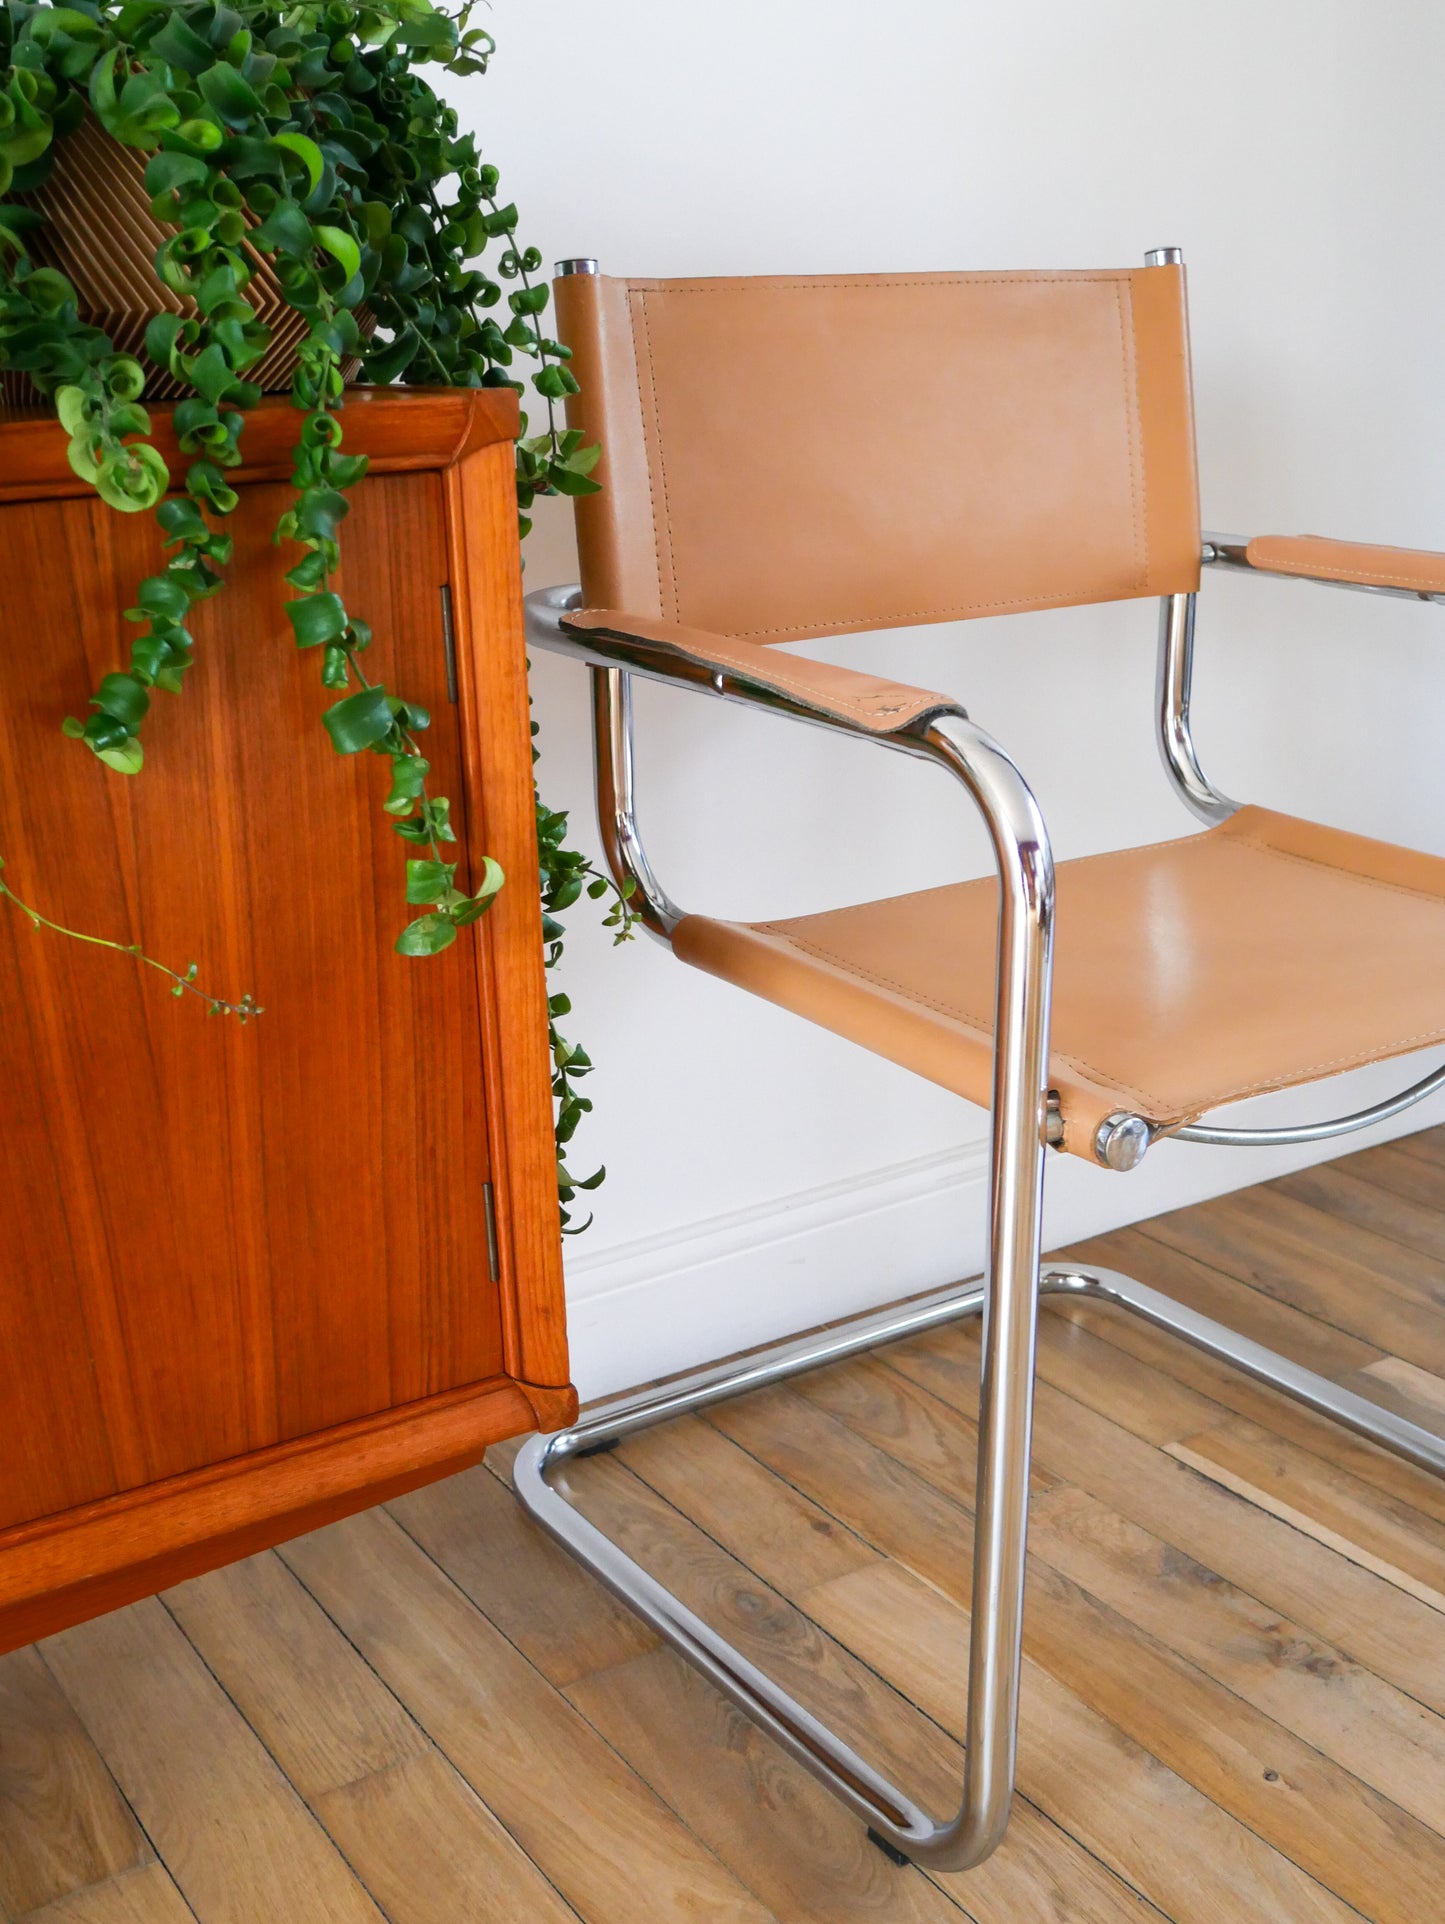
(308, 135)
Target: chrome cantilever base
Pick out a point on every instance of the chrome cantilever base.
(893, 1819)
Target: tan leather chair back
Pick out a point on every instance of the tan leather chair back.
(789, 457)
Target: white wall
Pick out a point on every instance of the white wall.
(764, 1175)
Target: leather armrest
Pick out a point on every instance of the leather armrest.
(1417, 570)
(860, 701)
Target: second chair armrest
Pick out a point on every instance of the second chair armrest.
(840, 695)
(1355, 564)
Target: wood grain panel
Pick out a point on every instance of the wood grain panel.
(67, 1568)
(473, 1526)
(1211, 1737)
(1384, 1737)
(271, 1230)
(236, 1837)
(1361, 1521)
(324, 1716)
(144, 1896)
(1276, 1246)
(794, 1843)
(63, 1823)
(1196, 1862)
(1219, 1294)
(219, 1242)
(521, 1747)
(432, 1853)
(423, 1842)
(1396, 1635)
(497, 744)
(1040, 1871)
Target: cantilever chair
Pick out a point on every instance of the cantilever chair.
(762, 484)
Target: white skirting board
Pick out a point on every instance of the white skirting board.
(640, 1310)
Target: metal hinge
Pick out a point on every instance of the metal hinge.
(489, 1203)
(449, 640)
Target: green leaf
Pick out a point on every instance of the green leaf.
(126, 758)
(135, 483)
(493, 878)
(427, 935)
(307, 152)
(182, 520)
(123, 697)
(82, 460)
(408, 777)
(427, 29)
(70, 406)
(167, 171)
(385, 363)
(180, 46)
(320, 512)
(285, 230)
(309, 572)
(319, 618)
(163, 595)
(568, 481)
(359, 721)
(228, 94)
(428, 881)
(211, 374)
(204, 135)
(341, 246)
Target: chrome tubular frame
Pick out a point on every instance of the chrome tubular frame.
(1173, 688)
(892, 1818)
(1008, 1302)
(1022, 1119)
(617, 805)
(1122, 1139)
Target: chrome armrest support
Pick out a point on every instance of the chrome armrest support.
(1172, 690)
(1231, 551)
(613, 662)
(1009, 1298)
(636, 655)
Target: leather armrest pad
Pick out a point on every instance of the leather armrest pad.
(1326, 560)
(861, 701)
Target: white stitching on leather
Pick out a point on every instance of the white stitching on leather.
(1134, 429)
(1376, 577)
(894, 616)
(645, 360)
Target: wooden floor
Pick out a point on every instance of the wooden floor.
(1234, 1705)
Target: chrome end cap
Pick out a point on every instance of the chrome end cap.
(1121, 1141)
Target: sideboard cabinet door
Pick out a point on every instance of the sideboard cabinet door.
(255, 1276)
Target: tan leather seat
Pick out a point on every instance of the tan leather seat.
(1260, 954)
(757, 490)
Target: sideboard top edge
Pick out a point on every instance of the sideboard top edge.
(401, 429)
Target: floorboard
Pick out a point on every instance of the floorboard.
(1234, 1698)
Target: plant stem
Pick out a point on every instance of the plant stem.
(244, 1009)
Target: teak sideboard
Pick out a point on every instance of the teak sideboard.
(254, 1278)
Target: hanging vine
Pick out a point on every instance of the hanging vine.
(307, 135)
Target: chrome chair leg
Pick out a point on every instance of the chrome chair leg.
(895, 1822)
(1357, 1413)
(1008, 1303)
